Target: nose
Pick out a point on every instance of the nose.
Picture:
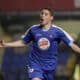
(41, 16)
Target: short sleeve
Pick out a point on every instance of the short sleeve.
(65, 37)
(27, 37)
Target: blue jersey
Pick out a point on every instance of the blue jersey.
(44, 50)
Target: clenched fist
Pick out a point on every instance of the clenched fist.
(1, 43)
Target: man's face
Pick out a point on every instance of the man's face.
(45, 17)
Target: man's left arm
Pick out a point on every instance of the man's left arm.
(75, 48)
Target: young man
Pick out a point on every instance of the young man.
(45, 38)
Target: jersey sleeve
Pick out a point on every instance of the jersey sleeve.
(65, 37)
(27, 37)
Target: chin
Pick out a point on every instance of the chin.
(42, 24)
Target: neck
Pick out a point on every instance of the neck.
(46, 27)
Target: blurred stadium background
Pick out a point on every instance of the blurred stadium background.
(17, 15)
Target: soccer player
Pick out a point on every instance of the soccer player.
(45, 37)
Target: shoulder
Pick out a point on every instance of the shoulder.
(34, 26)
(57, 28)
(62, 32)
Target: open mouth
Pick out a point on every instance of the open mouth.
(41, 20)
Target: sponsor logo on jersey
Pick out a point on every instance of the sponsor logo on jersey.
(43, 43)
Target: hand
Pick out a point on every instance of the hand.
(2, 43)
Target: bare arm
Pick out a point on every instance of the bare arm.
(75, 48)
(18, 43)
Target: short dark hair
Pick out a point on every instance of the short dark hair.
(50, 10)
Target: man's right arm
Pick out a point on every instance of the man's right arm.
(18, 43)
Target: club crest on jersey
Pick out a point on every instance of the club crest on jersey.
(43, 43)
(30, 70)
